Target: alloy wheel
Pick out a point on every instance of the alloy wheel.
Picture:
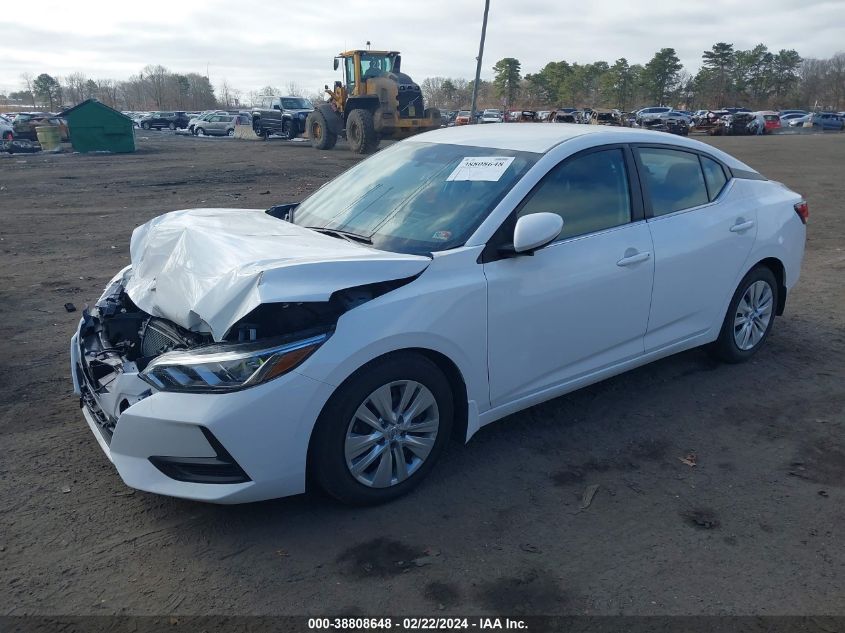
(391, 434)
(753, 315)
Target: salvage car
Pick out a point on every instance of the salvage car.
(491, 116)
(446, 282)
(221, 124)
(160, 120)
(463, 117)
(820, 121)
(202, 116)
(285, 116)
(7, 132)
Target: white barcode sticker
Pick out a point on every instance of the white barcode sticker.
(488, 168)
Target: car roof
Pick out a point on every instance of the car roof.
(542, 137)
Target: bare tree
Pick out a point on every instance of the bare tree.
(294, 89)
(156, 79)
(27, 80)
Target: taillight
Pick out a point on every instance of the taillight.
(803, 211)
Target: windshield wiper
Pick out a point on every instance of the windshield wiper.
(344, 235)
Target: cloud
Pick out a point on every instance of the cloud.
(287, 42)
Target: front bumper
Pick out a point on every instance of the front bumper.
(265, 430)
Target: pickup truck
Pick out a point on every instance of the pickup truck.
(280, 115)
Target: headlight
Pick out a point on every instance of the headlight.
(227, 368)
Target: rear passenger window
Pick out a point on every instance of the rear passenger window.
(714, 176)
(590, 192)
(674, 179)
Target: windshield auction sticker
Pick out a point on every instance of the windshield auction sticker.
(488, 168)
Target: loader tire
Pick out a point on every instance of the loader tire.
(361, 132)
(318, 129)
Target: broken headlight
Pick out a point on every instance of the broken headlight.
(227, 368)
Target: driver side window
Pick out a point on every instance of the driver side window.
(590, 192)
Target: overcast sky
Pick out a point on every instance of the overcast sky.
(272, 42)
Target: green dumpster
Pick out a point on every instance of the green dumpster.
(95, 127)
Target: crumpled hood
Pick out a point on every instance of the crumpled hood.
(205, 269)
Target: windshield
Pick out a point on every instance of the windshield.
(375, 64)
(416, 198)
(296, 103)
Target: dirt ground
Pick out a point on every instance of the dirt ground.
(756, 527)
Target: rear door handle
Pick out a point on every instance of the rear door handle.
(633, 259)
(739, 227)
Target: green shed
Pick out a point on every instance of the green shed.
(95, 127)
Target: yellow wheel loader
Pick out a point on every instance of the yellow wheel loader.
(375, 100)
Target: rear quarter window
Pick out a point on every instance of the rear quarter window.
(714, 176)
(674, 179)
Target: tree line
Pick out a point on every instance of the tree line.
(756, 78)
(154, 88)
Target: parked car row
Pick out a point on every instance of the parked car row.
(22, 125)
(728, 120)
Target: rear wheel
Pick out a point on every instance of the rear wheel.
(230, 132)
(361, 132)
(318, 129)
(172, 126)
(750, 317)
(145, 126)
(383, 430)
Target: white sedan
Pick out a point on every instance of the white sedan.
(448, 281)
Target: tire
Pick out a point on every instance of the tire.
(741, 336)
(230, 131)
(361, 132)
(286, 129)
(172, 126)
(200, 131)
(145, 126)
(318, 129)
(333, 453)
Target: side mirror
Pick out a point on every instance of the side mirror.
(336, 63)
(283, 211)
(535, 231)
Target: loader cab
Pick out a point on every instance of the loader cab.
(359, 66)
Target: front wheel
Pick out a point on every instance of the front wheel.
(361, 132)
(750, 317)
(145, 126)
(383, 429)
(172, 126)
(200, 131)
(318, 129)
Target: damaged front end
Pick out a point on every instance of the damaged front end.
(123, 355)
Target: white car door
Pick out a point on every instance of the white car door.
(581, 303)
(702, 237)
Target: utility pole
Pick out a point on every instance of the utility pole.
(478, 65)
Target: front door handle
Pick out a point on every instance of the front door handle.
(739, 227)
(633, 259)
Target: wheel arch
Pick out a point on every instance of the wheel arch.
(333, 120)
(445, 364)
(365, 102)
(779, 271)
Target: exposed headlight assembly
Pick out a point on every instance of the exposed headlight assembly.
(223, 368)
